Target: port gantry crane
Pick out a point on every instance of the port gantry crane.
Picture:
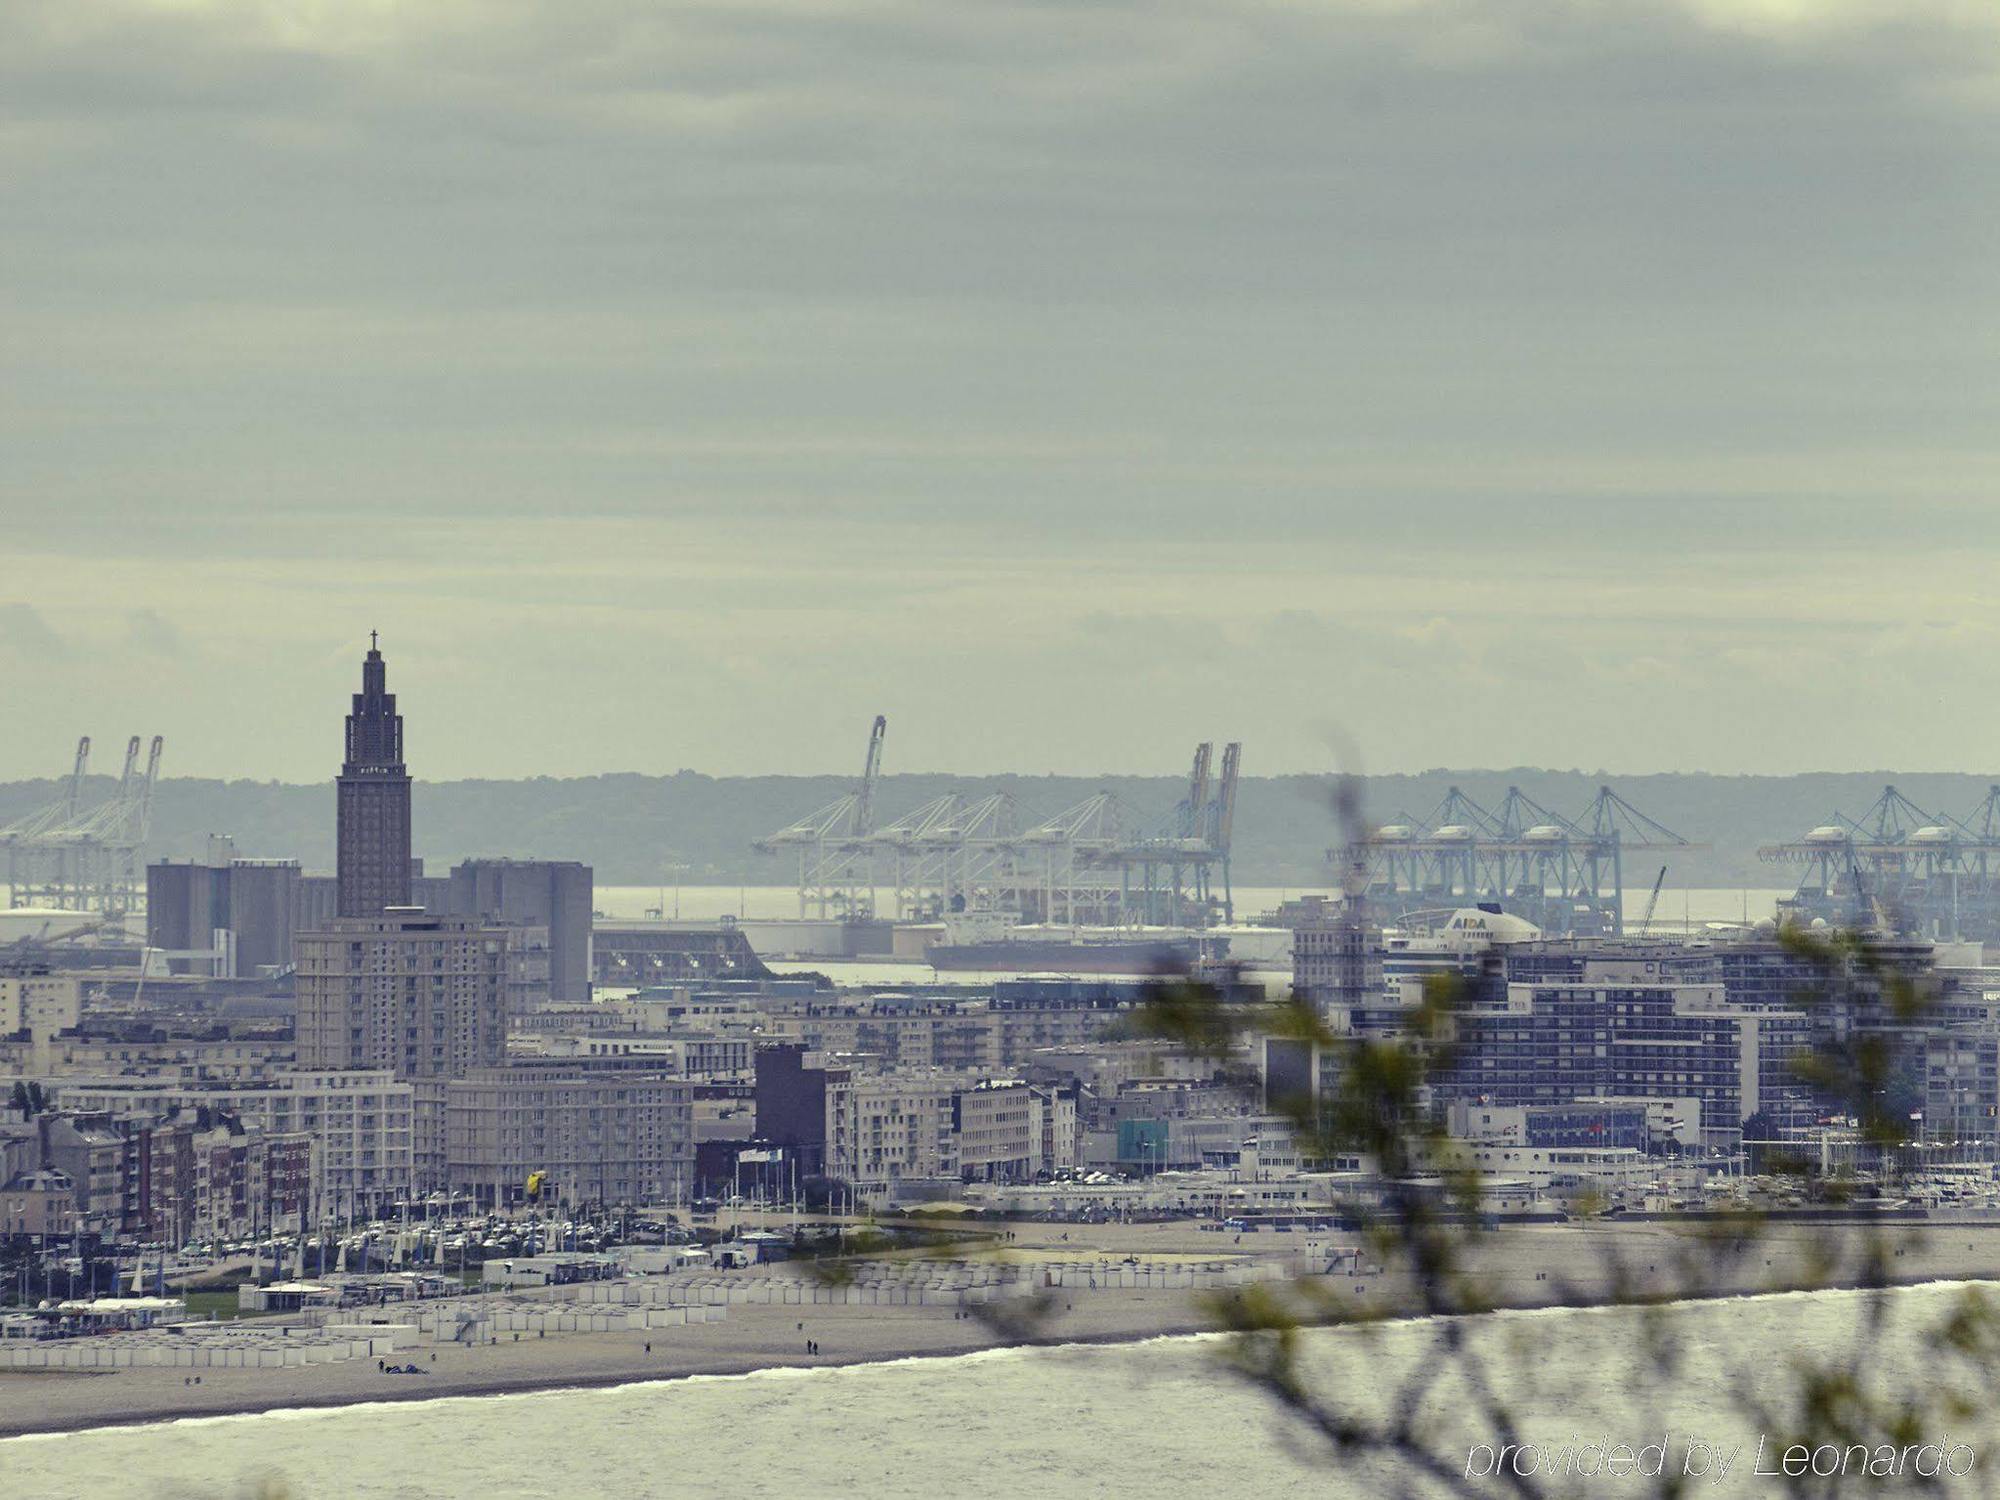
(1566, 875)
(1899, 869)
(71, 857)
(1176, 867)
(1079, 866)
(831, 843)
(1066, 874)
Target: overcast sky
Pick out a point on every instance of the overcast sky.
(1600, 383)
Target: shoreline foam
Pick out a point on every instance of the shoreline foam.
(760, 1340)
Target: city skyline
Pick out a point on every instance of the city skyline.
(1241, 737)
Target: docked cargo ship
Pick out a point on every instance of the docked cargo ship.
(994, 943)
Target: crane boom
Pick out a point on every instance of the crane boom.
(143, 821)
(1646, 922)
(1198, 788)
(871, 772)
(1225, 807)
(76, 776)
(131, 768)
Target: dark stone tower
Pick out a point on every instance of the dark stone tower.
(374, 858)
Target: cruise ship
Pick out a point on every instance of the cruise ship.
(997, 942)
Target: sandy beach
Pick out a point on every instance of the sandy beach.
(1521, 1267)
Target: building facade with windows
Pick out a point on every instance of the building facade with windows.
(362, 1124)
(616, 1134)
(885, 1127)
(421, 996)
(37, 1004)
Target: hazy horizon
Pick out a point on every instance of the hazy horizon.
(1504, 381)
(107, 755)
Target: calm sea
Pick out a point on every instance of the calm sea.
(1159, 1420)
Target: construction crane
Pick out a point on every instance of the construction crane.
(1653, 900)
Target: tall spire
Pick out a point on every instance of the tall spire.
(374, 798)
(374, 728)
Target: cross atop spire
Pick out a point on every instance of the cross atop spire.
(374, 728)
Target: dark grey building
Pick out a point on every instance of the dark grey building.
(555, 895)
(186, 905)
(255, 902)
(791, 1104)
(373, 862)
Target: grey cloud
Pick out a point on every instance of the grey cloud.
(149, 631)
(809, 353)
(25, 633)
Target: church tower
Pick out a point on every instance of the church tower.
(374, 788)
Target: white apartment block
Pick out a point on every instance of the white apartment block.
(692, 1054)
(40, 1004)
(999, 1131)
(596, 1134)
(886, 1126)
(172, 1058)
(363, 1122)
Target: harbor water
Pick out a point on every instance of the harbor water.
(1676, 909)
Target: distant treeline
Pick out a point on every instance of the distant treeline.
(638, 830)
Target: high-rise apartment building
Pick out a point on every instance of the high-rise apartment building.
(420, 995)
(882, 1127)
